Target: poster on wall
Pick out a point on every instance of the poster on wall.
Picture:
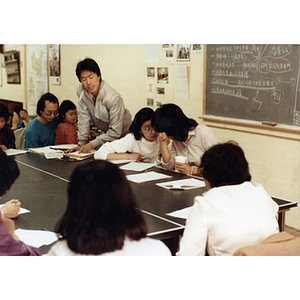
(54, 58)
(37, 79)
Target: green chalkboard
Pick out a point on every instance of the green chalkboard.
(253, 82)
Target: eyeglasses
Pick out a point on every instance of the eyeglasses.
(50, 112)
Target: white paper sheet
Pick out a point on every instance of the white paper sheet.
(182, 213)
(183, 184)
(22, 210)
(181, 86)
(120, 161)
(144, 177)
(10, 152)
(63, 147)
(137, 166)
(36, 238)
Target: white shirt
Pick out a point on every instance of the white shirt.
(143, 247)
(228, 218)
(199, 140)
(149, 150)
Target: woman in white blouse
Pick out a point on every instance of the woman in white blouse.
(189, 138)
(139, 145)
(234, 213)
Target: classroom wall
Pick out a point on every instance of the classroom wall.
(274, 158)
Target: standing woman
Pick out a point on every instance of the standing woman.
(190, 139)
(102, 216)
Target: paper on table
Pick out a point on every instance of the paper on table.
(22, 210)
(63, 147)
(36, 238)
(41, 150)
(120, 161)
(144, 177)
(10, 152)
(182, 213)
(183, 184)
(137, 166)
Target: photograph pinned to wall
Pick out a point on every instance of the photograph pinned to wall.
(54, 58)
(197, 50)
(183, 52)
(150, 72)
(162, 75)
(160, 92)
(150, 102)
(168, 55)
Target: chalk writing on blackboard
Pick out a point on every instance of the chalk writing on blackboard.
(253, 82)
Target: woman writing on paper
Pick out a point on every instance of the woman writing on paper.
(139, 145)
(234, 213)
(189, 138)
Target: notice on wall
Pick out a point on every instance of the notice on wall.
(37, 80)
(181, 87)
(152, 54)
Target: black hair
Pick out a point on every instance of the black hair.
(224, 164)
(102, 210)
(169, 118)
(9, 172)
(4, 112)
(23, 109)
(65, 106)
(41, 103)
(142, 116)
(88, 64)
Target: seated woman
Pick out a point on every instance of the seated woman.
(7, 137)
(139, 145)
(234, 213)
(9, 241)
(102, 216)
(189, 138)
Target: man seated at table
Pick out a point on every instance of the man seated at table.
(40, 132)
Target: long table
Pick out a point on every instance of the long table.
(42, 188)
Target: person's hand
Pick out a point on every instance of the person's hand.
(11, 208)
(10, 225)
(81, 149)
(3, 147)
(162, 138)
(137, 156)
(86, 148)
(183, 168)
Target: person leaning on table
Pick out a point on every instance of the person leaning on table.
(234, 213)
(99, 102)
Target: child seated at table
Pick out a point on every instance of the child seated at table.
(9, 241)
(66, 131)
(103, 216)
(7, 137)
(234, 213)
(139, 145)
(22, 114)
